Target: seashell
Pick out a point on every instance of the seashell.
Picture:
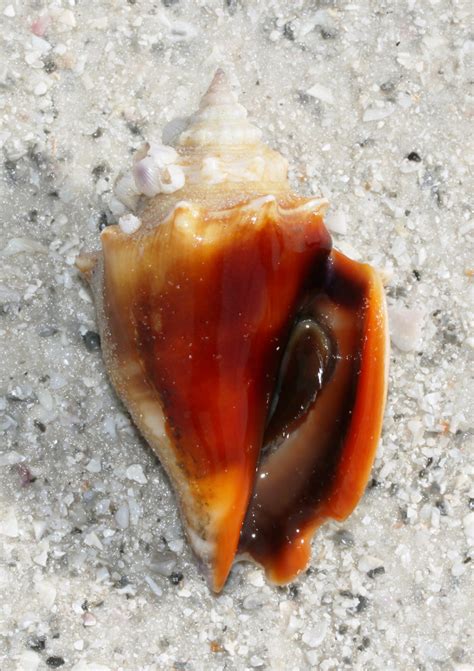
(129, 223)
(250, 354)
(155, 170)
(126, 194)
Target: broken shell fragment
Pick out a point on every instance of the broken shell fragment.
(126, 195)
(251, 356)
(129, 223)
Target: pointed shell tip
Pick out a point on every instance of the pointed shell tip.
(220, 78)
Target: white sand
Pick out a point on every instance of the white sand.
(90, 549)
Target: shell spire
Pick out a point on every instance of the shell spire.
(220, 119)
(219, 151)
(221, 145)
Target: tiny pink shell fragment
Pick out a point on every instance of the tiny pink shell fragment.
(26, 477)
(40, 26)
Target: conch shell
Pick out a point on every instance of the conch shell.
(250, 355)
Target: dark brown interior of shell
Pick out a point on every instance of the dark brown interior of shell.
(312, 423)
(306, 366)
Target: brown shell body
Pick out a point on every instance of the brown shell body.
(253, 360)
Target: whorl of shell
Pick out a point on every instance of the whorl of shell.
(221, 145)
(220, 153)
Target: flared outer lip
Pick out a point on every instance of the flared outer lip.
(360, 444)
(367, 416)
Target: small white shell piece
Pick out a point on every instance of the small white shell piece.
(155, 170)
(125, 196)
(129, 223)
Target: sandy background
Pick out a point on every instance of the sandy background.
(369, 102)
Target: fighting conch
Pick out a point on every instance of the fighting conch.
(250, 354)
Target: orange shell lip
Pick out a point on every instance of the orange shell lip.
(197, 318)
